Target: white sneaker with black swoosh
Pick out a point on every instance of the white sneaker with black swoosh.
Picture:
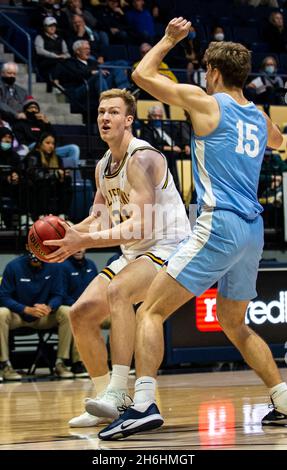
(136, 419)
(109, 404)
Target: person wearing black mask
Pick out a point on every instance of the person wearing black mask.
(9, 178)
(29, 130)
(31, 296)
(12, 96)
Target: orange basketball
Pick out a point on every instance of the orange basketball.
(46, 228)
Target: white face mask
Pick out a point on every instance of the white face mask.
(219, 37)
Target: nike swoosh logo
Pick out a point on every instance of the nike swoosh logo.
(127, 425)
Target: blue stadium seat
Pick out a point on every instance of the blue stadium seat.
(245, 35)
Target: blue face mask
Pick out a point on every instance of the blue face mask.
(270, 69)
(6, 146)
(157, 122)
(191, 35)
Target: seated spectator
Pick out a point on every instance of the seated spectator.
(31, 296)
(48, 178)
(81, 70)
(50, 48)
(140, 21)
(75, 7)
(268, 86)
(12, 96)
(80, 31)
(49, 8)
(163, 68)
(275, 33)
(9, 179)
(112, 19)
(29, 130)
(165, 136)
(218, 34)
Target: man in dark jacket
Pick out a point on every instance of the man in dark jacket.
(31, 295)
(78, 272)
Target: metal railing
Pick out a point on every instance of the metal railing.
(27, 60)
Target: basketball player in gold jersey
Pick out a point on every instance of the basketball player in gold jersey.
(131, 178)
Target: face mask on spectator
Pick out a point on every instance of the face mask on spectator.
(31, 114)
(157, 122)
(270, 69)
(6, 146)
(219, 37)
(191, 35)
(9, 80)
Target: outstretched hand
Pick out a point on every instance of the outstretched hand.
(70, 244)
(177, 29)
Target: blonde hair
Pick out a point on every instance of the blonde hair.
(125, 95)
(233, 60)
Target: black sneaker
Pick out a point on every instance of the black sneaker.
(274, 418)
(79, 370)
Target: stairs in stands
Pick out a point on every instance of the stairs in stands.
(52, 104)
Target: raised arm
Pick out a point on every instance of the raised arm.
(192, 98)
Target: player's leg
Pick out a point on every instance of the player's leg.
(87, 315)
(163, 298)
(240, 283)
(126, 289)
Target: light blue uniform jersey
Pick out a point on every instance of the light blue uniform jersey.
(226, 163)
(227, 240)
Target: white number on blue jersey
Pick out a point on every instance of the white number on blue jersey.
(251, 147)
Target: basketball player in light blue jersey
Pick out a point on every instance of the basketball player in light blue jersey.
(229, 139)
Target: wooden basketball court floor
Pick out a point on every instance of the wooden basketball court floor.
(219, 410)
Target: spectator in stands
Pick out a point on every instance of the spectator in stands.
(81, 71)
(218, 34)
(78, 272)
(10, 164)
(47, 178)
(268, 86)
(80, 31)
(50, 8)
(163, 68)
(12, 96)
(50, 48)
(113, 20)
(29, 130)
(141, 21)
(75, 7)
(275, 32)
(163, 135)
(31, 295)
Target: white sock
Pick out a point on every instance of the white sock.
(119, 378)
(279, 397)
(101, 382)
(145, 388)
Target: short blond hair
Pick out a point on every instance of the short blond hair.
(125, 95)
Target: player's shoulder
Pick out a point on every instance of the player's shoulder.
(143, 157)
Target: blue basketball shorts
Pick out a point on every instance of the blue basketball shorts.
(223, 248)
